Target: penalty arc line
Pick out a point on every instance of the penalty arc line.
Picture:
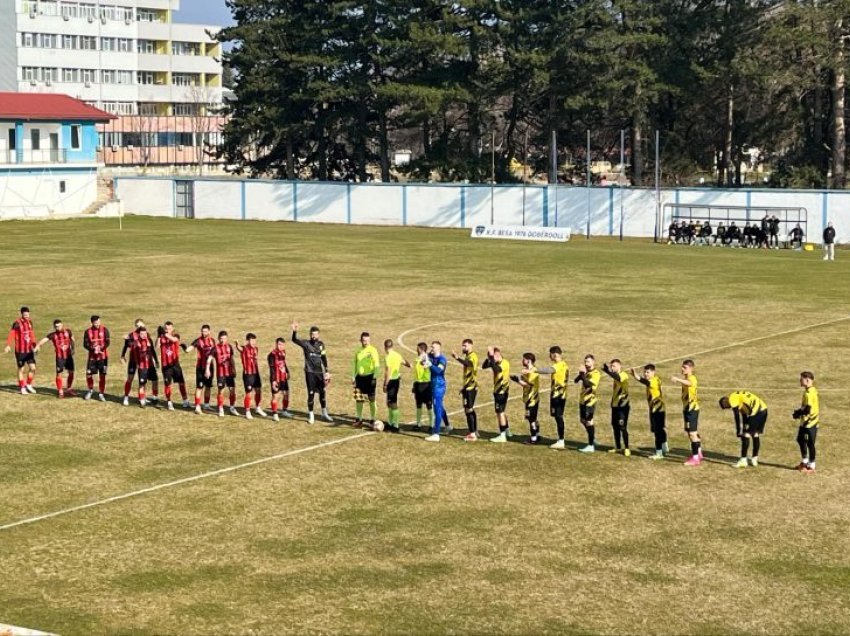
(185, 480)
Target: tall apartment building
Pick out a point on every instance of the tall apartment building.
(128, 57)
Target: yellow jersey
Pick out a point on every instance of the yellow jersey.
(559, 380)
(393, 362)
(654, 396)
(420, 372)
(811, 400)
(531, 389)
(501, 375)
(470, 371)
(366, 361)
(588, 395)
(690, 397)
(620, 397)
(747, 403)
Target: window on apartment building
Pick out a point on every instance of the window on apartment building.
(29, 73)
(108, 44)
(35, 139)
(109, 12)
(69, 42)
(76, 137)
(48, 7)
(145, 15)
(88, 43)
(111, 139)
(88, 75)
(124, 13)
(124, 77)
(50, 74)
(28, 39)
(125, 45)
(185, 79)
(88, 11)
(185, 110)
(107, 76)
(70, 10)
(185, 48)
(48, 41)
(70, 75)
(13, 139)
(149, 110)
(145, 77)
(146, 46)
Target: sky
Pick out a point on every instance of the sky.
(212, 12)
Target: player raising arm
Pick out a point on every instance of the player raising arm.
(530, 383)
(657, 413)
(204, 345)
(690, 410)
(63, 343)
(619, 406)
(251, 375)
(560, 371)
(469, 361)
(501, 388)
(750, 419)
(96, 342)
(808, 415)
(169, 355)
(588, 376)
(279, 379)
(22, 337)
(221, 360)
(316, 370)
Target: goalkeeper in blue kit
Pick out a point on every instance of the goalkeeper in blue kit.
(436, 362)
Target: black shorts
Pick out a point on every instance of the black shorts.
(531, 412)
(279, 387)
(24, 359)
(557, 407)
(755, 424)
(366, 385)
(500, 402)
(469, 396)
(252, 381)
(691, 421)
(586, 413)
(228, 381)
(620, 414)
(151, 374)
(65, 364)
(132, 368)
(392, 391)
(315, 383)
(94, 367)
(173, 373)
(145, 375)
(423, 394)
(201, 379)
(657, 421)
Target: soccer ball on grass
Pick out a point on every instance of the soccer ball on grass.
(378, 426)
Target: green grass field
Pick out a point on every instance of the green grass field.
(385, 533)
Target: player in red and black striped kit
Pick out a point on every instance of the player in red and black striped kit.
(203, 382)
(279, 378)
(144, 352)
(251, 375)
(133, 364)
(96, 342)
(169, 349)
(221, 358)
(63, 343)
(22, 337)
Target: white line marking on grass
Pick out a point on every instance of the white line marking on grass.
(185, 480)
(13, 630)
(732, 345)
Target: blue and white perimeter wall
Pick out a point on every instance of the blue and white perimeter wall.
(462, 206)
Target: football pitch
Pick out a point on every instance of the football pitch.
(350, 532)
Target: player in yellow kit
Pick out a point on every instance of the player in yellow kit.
(750, 419)
(468, 359)
(690, 410)
(559, 370)
(393, 362)
(501, 387)
(657, 412)
(589, 377)
(364, 378)
(530, 383)
(808, 415)
(619, 406)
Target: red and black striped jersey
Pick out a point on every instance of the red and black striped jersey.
(143, 352)
(96, 342)
(62, 343)
(277, 365)
(204, 347)
(223, 356)
(169, 350)
(22, 336)
(250, 365)
(129, 343)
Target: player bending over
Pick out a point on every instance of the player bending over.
(657, 413)
(393, 361)
(690, 410)
(316, 371)
(530, 383)
(63, 343)
(279, 379)
(469, 361)
(619, 406)
(169, 356)
(221, 358)
(251, 376)
(203, 345)
(96, 341)
(22, 337)
(750, 419)
(436, 362)
(808, 415)
(501, 388)
(589, 377)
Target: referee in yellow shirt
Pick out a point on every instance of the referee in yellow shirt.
(393, 362)
(364, 378)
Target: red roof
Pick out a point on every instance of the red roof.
(48, 107)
